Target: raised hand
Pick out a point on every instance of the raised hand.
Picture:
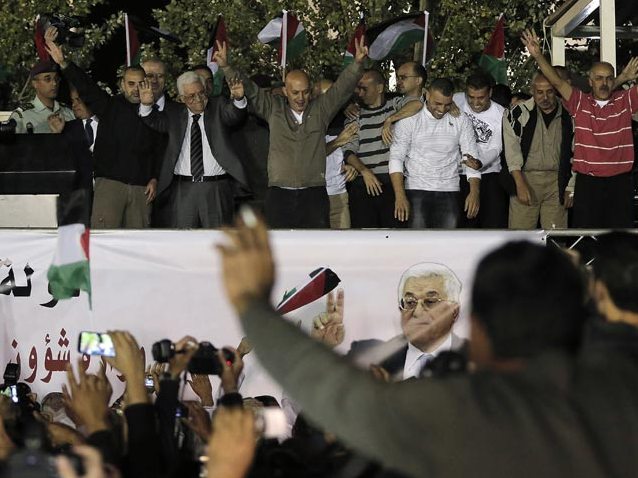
(629, 73)
(55, 50)
(230, 372)
(203, 389)
(244, 347)
(328, 326)
(185, 348)
(531, 41)
(361, 50)
(146, 93)
(221, 55)
(231, 447)
(88, 397)
(236, 88)
(129, 360)
(247, 264)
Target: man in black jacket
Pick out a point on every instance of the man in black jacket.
(199, 164)
(126, 155)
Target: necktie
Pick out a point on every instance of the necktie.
(197, 153)
(421, 362)
(88, 130)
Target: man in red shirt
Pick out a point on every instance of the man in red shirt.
(603, 142)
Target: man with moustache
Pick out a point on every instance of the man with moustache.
(604, 149)
(537, 135)
(126, 156)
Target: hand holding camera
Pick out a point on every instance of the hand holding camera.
(186, 355)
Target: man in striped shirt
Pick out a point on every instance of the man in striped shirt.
(603, 142)
(371, 196)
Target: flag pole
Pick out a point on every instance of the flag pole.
(284, 39)
(128, 41)
(425, 36)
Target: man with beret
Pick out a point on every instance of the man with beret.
(42, 114)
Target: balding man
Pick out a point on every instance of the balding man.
(604, 149)
(537, 135)
(296, 195)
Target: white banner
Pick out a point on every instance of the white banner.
(167, 284)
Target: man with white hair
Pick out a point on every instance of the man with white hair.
(199, 165)
(426, 331)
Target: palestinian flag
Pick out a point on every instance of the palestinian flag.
(288, 34)
(38, 38)
(392, 36)
(69, 271)
(133, 51)
(218, 35)
(360, 31)
(493, 58)
(321, 281)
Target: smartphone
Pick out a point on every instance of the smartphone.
(149, 383)
(96, 343)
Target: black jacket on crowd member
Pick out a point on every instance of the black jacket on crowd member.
(126, 150)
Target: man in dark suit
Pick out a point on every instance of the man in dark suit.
(427, 329)
(199, 165)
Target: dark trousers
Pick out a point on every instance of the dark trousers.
(493, 211)
(206, 204)
(307, 208)
(368, 211)
(433, 209)
(603, 202)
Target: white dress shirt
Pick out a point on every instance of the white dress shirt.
(428, 151)
(183, 165)
(415, 358)
(94, 122)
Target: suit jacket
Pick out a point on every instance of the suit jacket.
(220, 114)
(395, 362)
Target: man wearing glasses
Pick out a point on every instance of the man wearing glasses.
(428, 296)
(199, 164)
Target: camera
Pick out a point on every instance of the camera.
(205, 361)
(69, 32)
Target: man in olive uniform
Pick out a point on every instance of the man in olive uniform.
(43, 114)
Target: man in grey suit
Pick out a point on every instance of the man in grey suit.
(199, 165)
(426, 332)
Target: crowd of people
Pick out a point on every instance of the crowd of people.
(546, 383)
(346, 153)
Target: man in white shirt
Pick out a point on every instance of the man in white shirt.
(487, 120)
(425, 151)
